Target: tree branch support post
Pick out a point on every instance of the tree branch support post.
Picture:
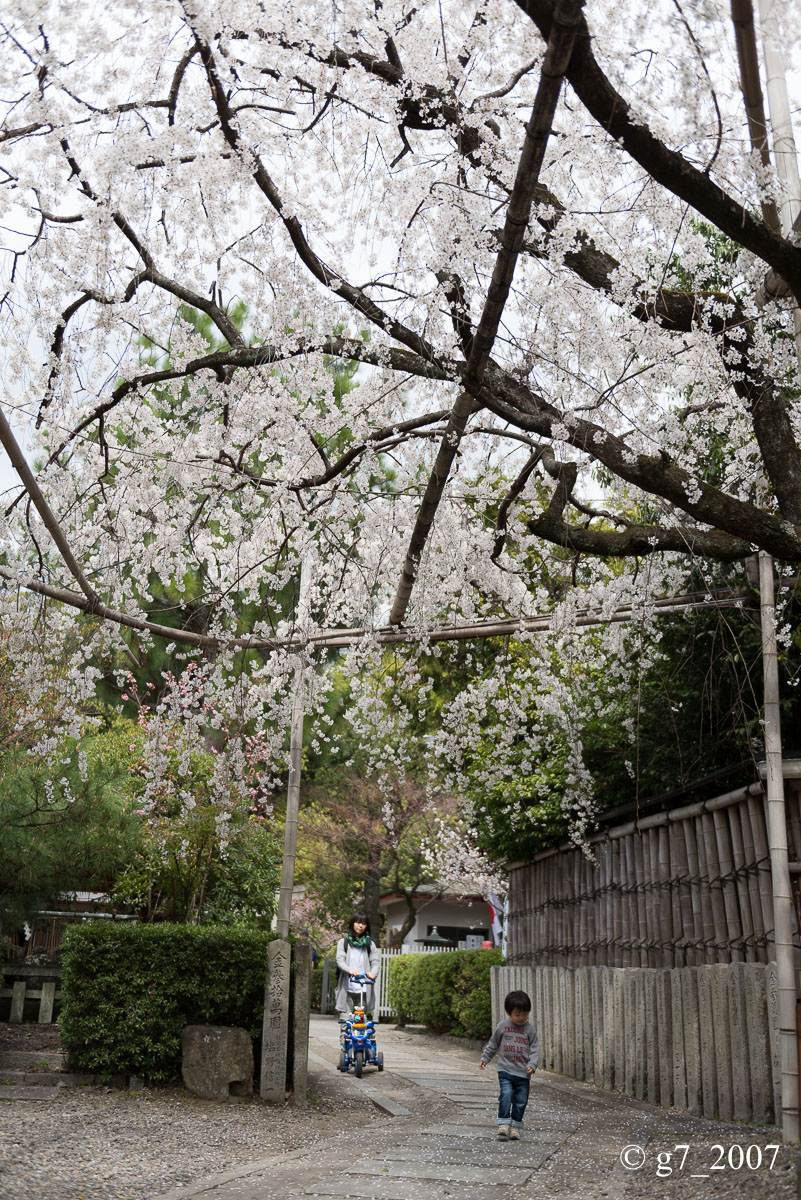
(276, 1025)
(780, 873)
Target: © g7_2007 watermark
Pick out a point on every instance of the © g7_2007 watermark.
(703, 1162)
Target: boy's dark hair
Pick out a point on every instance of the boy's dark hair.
(517, 1000)
(362, 919)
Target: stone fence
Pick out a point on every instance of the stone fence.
(698, 1038)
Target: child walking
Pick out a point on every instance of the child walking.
(516, 1043)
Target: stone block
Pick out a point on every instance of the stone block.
(692, 1039)
(619, 1017)
(740, 1050)
(217, 1062)
(664, 1010)
(722, 1036)
(677, 1020)
(706, 1024)
(651, 1035)
(759, 1056)
(640, 1045)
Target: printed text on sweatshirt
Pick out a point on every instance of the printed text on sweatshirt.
(517, 1047)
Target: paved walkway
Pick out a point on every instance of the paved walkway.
(437, 1140)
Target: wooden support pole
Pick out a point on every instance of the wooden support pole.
(777, 838)
(293, 787)
(275, 1028)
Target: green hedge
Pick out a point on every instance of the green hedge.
(448, 993)
(129, 990)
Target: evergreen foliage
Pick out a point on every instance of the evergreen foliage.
(130, 989)
(448, 993)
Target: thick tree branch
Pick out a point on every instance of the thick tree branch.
(667, 167)
(654, 473)
(557, 56)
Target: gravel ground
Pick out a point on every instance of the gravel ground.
(101, 1144)
(97, 1143)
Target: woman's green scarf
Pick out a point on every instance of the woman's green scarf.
(358, 943)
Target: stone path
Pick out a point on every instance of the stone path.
(442, 1144)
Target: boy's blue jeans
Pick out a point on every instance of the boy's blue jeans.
(513, 1098)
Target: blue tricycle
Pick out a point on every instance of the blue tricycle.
(358, 1046)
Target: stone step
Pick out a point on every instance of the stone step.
(31, 1060)
(29, 1093)
(48, 1078)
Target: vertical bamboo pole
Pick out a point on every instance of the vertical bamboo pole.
(582, 913)
(547, 912)
(715, 888)
(644, 895)
(630, 898)
(710, 953)
(743, 895)
(693, 869)
(656, 958)
(642, 898)
(592, 908)
(615, 956)
(661, 902)
(604, 958)
(734, 929)
(538, 895)
(674, 873)
(528, 950)
(534, 948)
(777, 833)
(622, 951)
(687, 956)
(750, 857)
(668, 898)
(550, 940)
(756, 812)
(559, 911)
(518, 940)
(568, 908)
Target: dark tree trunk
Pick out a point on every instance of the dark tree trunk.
(372, 892)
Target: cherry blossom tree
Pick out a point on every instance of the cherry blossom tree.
(541, 230)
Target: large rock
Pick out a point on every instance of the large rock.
(217, 1062)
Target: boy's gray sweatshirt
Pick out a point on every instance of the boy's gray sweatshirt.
(517, 1047)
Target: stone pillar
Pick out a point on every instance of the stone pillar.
(300, 1021)
(275, 1028)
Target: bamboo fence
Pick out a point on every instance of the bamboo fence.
(683, 888)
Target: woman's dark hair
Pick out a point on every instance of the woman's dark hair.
(519, 1000)
(362, 919)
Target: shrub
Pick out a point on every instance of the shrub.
(129, 990)
(401, 990)
(448, 993)
(472, 1007)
